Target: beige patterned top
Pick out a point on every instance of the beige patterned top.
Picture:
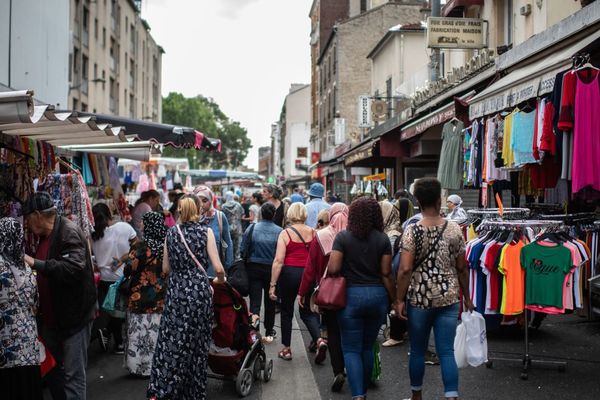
(434, 283)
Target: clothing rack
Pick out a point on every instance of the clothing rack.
(4, 146)
(507, 213)
(518, 225)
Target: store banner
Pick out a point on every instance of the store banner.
(359, 155)
(438, 117)
(456, 33)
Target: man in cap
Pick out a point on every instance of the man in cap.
(316, 204)
(67, 294)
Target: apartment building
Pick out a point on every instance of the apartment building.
(114, 63)
(344, 71)
(296, 136)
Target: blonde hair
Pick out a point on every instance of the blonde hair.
(188, 210)
(323, 216)
(297, 214)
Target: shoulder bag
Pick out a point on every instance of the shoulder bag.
(330, 294)
(432, 247)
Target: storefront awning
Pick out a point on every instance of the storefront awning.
(527, 82)
(138, 151)
(221, 174)
(16, 106)
(64, 128)
(176, 136)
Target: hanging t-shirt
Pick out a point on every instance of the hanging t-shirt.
(546, 269)
(514, 279)
(523, 126)
(507, 151)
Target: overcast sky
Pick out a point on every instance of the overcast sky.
(242, 53)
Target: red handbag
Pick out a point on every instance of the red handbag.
(331, 292)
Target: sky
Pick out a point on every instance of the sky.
(242, 53)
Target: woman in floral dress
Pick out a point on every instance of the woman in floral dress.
(148, 288)
(20, 375)
(179, 367)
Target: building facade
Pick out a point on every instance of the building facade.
(296, 145)
(114, 63)
(264, 161)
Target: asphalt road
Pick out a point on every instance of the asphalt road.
(564, 338)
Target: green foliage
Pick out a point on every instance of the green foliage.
(204, 115)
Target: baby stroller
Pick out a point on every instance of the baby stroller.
(237, 353)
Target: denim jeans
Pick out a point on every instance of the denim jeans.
(259, 279)
(360, 321)
(289, 283)
(443, 320)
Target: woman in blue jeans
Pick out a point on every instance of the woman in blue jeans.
(363, 255)
(432, 273)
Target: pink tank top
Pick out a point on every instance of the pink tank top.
(586, 146)
(296, 253)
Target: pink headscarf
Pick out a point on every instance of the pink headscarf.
(204, 191)
(338, 219)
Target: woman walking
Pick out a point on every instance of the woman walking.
(272, 194)
(318, 257)
(146, 300)
(111, 244)
(392, 226)
(292, 251)
(180, 363)
(362, 254)
(218, 223)
(432, 272)
(258, 249)
(20, 375)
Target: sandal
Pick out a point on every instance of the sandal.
(285, 354)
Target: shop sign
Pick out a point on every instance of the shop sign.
(364, 111)
(433, 120)
(456, 75)
(315, 156)
(456, 33)
(359, 155)
(302, 152)
(360, 171)
(376, 177)
(343, 148)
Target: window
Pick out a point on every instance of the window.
(84, 107)
(75, 60)
(103, 79)
(508, 22)
(103, 37)
(96, 28)
(95, 71)
(75, 104)
(84, 67)
(363, 6)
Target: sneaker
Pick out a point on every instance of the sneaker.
(431, 358)
(321, 351)
(312, 347)
(119, 349)
(272, 333)
(392, 342)
(103, 339)
(338, 382)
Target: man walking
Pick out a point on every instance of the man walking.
(67, 294)
(316, 204)
(234, 213)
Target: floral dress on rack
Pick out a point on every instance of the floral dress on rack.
(179, 366)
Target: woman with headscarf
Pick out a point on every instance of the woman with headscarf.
(217, 221)
(457, 213)
(394, 215)
(20, 376)
(146, 301)
(318, 257)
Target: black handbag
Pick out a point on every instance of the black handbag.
(237, 275)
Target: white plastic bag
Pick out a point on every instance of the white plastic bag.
(460, 346)
(476, 340)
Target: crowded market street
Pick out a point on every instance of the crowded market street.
(302, 380)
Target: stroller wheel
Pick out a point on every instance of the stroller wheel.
(268, 371)
(258, 367)
(243, 383)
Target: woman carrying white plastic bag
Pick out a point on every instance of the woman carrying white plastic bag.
(470, 343)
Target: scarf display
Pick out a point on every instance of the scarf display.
(338, 220)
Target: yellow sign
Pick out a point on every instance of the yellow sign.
(376, 177)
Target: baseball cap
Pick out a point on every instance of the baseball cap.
(39, 201)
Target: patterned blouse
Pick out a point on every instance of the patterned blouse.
(18, 304)
(148, 284)
(434, 282)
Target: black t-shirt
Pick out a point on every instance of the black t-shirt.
(362, 257)
(279, 216)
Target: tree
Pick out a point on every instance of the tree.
(204, 115)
